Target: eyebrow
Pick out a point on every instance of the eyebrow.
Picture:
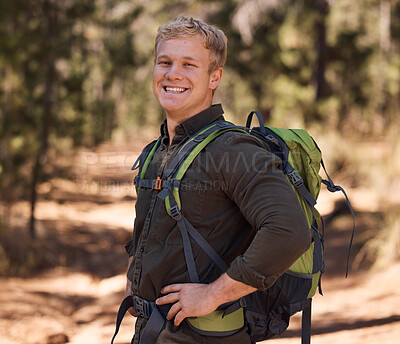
(184, 58)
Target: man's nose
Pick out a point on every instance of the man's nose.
(174, 73)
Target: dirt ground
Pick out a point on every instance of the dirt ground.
(82, 226)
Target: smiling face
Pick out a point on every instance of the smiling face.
(181, 80)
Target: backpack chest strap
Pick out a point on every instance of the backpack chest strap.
(157, 184)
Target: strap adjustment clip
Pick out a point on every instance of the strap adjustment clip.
(175, 213)
(295, 178)
(141, 307)
(158, 183)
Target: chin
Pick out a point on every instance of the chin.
(171, 107)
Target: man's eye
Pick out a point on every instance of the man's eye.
(163, 63)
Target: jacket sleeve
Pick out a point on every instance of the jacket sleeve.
(269, 203)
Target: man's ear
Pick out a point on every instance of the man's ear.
(215, 78)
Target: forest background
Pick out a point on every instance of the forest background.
(75, 82)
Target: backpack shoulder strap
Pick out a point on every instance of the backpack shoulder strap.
(143, 161)
(186, 156)
(146, 156)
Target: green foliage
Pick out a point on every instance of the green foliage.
(60, 62)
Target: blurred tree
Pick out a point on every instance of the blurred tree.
(55, 61)
(271, 39)
(285, 49)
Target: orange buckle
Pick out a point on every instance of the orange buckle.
(158, 183)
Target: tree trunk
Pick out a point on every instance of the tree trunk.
(320, 85)
(320, 88)
(385, 42)
(50, 13)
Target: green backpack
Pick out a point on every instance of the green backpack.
(266, 313)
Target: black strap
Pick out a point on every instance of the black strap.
(334, 188)
(260, 120)
(318, 261)
(137, 162)
(146, 151)
(123, 308)
(306, 323)
(203, 243)
(156, 318)
(186, 229)
(298, 182)
(153, 327)
(165, 186)
(187, 248)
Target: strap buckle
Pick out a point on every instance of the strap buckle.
(175, 213)
(141, 307)
(158, 183)
(295, 178)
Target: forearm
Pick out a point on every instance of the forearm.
(226, 289)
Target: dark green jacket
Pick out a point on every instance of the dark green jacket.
(236, 196)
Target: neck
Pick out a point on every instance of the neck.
(173, 121)
(171, 125)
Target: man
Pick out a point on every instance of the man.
(252, 219)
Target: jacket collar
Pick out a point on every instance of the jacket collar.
(193, 124)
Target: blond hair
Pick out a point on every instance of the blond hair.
(213, 39)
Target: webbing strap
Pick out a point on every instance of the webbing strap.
(153, 327)
(155, 323)
(167, 187)
(186, 229)
(306, 323)
(298, 182)
(187, 248)
(203, 244)
(145, 183)
(260, 120)
(156, 184)
(123, 308)
(334, 188)
(318, 261)
(146, 155)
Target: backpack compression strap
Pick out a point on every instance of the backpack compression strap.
(330, 185)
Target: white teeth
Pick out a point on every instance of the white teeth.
(175, 89)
